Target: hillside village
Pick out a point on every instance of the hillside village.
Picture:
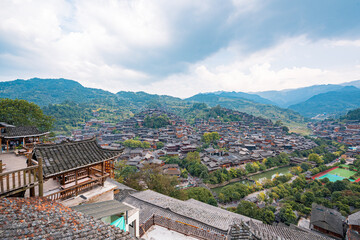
(180, 120)
(345, 132)
(80, 177)
(249, 140)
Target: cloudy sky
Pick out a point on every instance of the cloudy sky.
(182, 47)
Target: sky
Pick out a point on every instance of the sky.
(182, 47)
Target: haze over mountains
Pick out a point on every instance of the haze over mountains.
(282, 105)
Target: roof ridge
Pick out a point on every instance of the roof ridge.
(70, 142)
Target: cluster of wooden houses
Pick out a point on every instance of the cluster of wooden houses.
(345, 132)
(249, 140)
(66, 191)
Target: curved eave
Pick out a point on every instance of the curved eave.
(74, 169)
(25, 136)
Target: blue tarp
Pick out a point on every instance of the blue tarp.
(120, 223)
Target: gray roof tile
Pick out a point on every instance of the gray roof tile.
(40, 218)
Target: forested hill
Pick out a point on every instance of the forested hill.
(352, 115)
(72, 104)
(50, 91)
(244, 105)
(334, 102)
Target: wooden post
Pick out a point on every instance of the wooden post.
(41, 180)
(102, 173)
(29, 163)
(1, 178)
(24, 145)
(76, 182)
(7, 145)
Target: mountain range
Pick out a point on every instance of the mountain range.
(289, 106)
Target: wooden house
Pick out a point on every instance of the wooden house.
(327, 221)
(12, 137)
(353, 221)
(76, 166)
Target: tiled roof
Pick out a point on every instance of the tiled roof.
(266, 231)
(41, 218)
(63, 157)
(210, 218)
(326, 218)
(354, 219)
(24, 131)
(99, 210)
(201, 212)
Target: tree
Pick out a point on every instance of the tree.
(249, 167)
(159, 145)
(248, 209)
(23, 113)
(156, 121)
(212, 137)
(287, 215)
(201, 194)
(212, 201)
(308, 198)
(268, 216)
(315, 158)
(305, 166)
(184, 173)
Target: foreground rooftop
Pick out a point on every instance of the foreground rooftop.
(41, 218)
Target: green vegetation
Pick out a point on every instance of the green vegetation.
(50, 91)
(334, 102)
(159, 145)
(300, 195)
(68, 115)
(156, 121)
(201, 194)
(151, 177)
(251, 210)
(237, 191)
(272, 112)
(352, 115)
(131, 143)
(208, 138)
(22, 113)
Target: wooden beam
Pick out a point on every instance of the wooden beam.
(1, 177)
(102, 172)
(41, 180)
(76, 182)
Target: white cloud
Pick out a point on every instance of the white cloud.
(295, 62)
(95, 42)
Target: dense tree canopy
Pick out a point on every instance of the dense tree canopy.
(156, 121)
(23, 113)
(212, 137)
(201, 194)
(131, 143)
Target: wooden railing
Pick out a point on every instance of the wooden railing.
(18, 180)
(180, 227)
(75, 190)
(81, 173)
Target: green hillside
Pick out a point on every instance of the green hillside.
(71, 104)
(352, 115)
(50, 91)
(334, 102)
(257, 109)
